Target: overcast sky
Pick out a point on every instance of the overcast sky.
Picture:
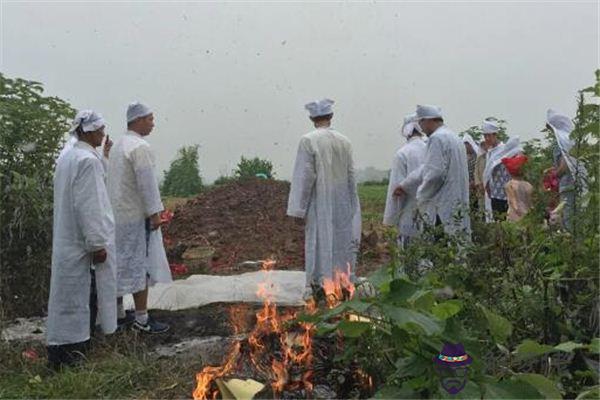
(234, 77)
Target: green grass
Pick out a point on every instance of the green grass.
(121, 367)
(372, 203)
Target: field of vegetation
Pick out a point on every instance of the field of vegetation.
(523, 297)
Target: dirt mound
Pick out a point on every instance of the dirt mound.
(237, 222)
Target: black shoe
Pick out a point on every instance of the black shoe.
(123, 323)
(151, 326)
(67, 355)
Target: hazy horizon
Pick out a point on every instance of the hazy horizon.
(234, 77)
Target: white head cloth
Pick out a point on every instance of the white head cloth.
(320, 107)
(562, 126)
(89, 121)
(137, 110)
(428, 112)
(469, 139)
(489, 127)
(409, 126)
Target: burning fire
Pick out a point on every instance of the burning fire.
(339, 288)
(289, 368)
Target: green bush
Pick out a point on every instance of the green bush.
(250, 167)
(183, 177)
(33, 128)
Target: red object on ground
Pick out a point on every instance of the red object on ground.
(178, 269)
(514, 164)
(166, 216)
(167, 241)
(30, 354)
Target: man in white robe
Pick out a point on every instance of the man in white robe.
(401, 211)
(135, 197)
(323, 192)
(441, 184)
(83, 247)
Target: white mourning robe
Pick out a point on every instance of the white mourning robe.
(441, 184)
(323, 192)
(83, 224)
(401, 211)
(134, 194)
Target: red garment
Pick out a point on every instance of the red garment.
(514, 164)
(550, 180)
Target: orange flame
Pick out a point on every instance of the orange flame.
(339, 288)
(209, 374)
(295, 348)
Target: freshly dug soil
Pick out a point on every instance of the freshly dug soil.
(241, 221)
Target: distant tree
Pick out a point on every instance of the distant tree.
(250, 167)
(183, 176)
(32, 130)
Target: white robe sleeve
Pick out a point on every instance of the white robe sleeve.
(87, 203)
(303, 181)
(433, 171)
(393, 204)
(411, 182)
(143, 165)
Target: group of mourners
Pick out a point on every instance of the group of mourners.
(107, 241)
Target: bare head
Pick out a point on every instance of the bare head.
(142, 125)
(322, 120)
(430, 125)
(491, 140)
(93, 138)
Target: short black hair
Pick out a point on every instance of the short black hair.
(322, 118)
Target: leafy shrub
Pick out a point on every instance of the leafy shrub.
(250, 167)
(33, 128)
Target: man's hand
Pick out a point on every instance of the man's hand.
(99, 256)
(399, 191)
(107, 146)
(155, 221)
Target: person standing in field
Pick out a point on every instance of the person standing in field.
(498, 177)
(571, 173)
(135, 197)
(519, 192)
(401, 211)
(441, 184)
(478, 178)
(83, 277)
(323, 192)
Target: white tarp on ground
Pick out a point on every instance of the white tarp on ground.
(285, 287)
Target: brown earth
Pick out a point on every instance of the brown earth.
(240, 221)
(246, 221)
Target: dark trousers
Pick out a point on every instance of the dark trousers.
(73, 353)
(499, 209)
